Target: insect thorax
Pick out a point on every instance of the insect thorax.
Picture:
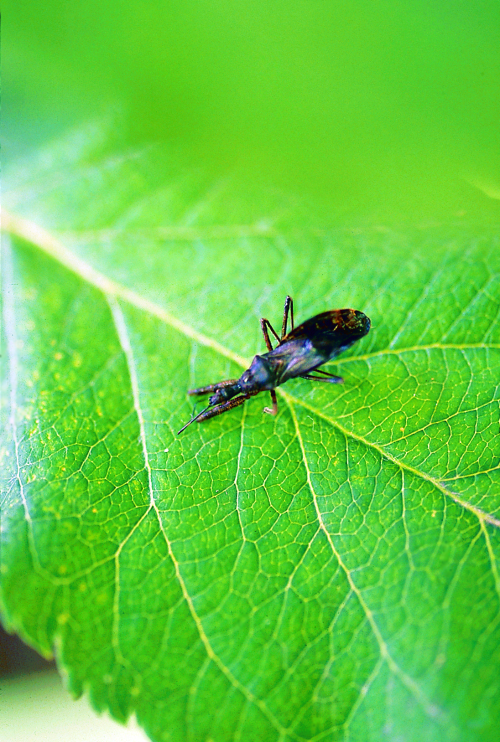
(259, 376)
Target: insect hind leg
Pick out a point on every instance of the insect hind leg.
(211, 387)
(330, 379)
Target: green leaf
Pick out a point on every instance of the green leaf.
(330, 574)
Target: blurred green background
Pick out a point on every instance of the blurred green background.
(385, 107)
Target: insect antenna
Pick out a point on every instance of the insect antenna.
(193, 419)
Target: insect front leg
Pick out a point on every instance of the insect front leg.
(212, 387)
(287, 310)
(224, 407)
(274, 409)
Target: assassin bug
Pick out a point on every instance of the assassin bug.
(300, 351)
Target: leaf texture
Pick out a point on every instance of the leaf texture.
(331, 574)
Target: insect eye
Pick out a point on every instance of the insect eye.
(221, 395)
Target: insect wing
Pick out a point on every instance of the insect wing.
(331, 332)
(292, 358)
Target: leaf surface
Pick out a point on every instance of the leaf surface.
(331, 574)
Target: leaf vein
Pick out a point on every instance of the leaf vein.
(127, 349)
(429, 708)
(480, 514)
(44, 240)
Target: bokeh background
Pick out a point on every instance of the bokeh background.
(378, 109)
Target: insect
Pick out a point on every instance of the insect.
(298, 352)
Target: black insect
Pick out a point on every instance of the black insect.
(298, 352)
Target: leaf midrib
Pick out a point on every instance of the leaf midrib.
(46, 242)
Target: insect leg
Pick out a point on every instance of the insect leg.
(288, 309)
(224, 407)
(211, 387)
(274, 409)
(325, 373)
(330, 380)
(264, 323)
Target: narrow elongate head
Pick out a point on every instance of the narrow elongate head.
(224, 393)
